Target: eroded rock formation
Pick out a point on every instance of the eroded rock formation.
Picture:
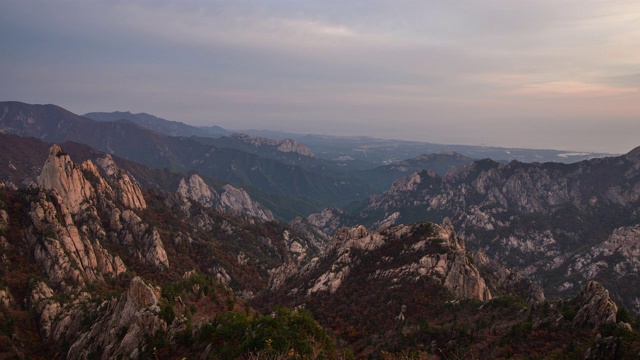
(229, 199)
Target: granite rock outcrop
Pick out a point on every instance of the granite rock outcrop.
(228, 199)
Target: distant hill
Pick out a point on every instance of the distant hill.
(284, 150)
(290, 188)
(386, 151)
(354, 152)
(163, 126)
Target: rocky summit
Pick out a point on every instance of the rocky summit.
(228, 199)
(449, 266)
(67, 233)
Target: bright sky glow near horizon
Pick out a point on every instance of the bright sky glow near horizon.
(532, 74)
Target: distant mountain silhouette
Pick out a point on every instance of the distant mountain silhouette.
(163, 126)
(291, 186)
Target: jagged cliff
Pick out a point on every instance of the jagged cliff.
(67, 231)
(448, 265)
(229, 199)
(416, 286)
(118, 325)
(72, 245)
(320, 227)
(399, 271)
(538, 219)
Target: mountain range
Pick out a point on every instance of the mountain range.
(283, 174)
(162, 126)
(121, 239)
(552, 222)
(351, 150)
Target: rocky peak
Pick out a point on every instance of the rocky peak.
(68, 220)
(448, 234)
(237, 200)
(230, 199)
(59, 173)
(419, 250)
(595, 307)
(411, 182)
(356, 237)
(141, 295)
(328, 220)
(317, 237)
(90, 170)
(287, 145)
(196, 189)
(126, 189)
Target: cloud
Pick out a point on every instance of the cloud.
(378, 66)
(573, 88)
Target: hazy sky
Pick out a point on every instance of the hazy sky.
(542, 74)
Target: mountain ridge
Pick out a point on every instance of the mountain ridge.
(533, 217)
(163, 126)
(135, 143)
(104, 257)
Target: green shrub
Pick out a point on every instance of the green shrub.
(166, 311)
(286, 331)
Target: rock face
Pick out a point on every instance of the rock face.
(286, 146)
(300, 252)
(59, 173)
(135, 314)
(372, 284)
(319, 227)
(63, 252)
(595, 307)
(412, 252)
(195, 188)
(230, 199)
(537, 219)
(61, 269)
(68, 216)
(617, 257)
(128, 229)
(237, 201)
(502, 280)
(315, 235)
(328, 220)
(126, 190)
(120, 329)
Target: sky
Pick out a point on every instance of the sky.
(531, 74)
